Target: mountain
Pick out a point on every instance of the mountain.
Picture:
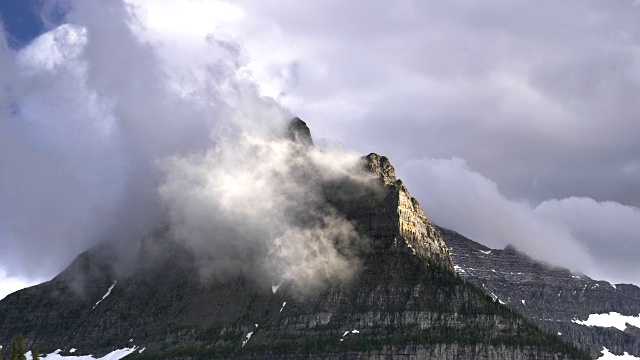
(402, 300)
(554, 298)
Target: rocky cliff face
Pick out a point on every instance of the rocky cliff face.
(410, 225)
(403, 301)
(552, 297)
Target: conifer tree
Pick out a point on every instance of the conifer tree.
(35, 353)
(17, 349)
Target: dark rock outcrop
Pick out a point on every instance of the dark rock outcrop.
(298, 131)
(550, 296)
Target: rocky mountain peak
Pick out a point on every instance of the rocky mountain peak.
(403, 300)
(394, 217)
(381, 167)
(298, 131)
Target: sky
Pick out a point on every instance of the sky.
(511, 122)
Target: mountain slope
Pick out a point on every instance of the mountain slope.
(403, 298)
(552, 297)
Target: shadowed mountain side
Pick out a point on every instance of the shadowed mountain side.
(550, 296)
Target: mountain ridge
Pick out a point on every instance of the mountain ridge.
(403, 300)
(553, 297)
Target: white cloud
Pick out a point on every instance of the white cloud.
(9, 285)
(458, 198)
(608, 230)
(597, 238)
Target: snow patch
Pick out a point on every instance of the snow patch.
(613, 285)
(494, 297)
(283, 304)
(274, 288)
(612, 319)
(244, 342)
(142, 350)
(458, 269)
(73, 350)
(606, 355)
(354, 331)
(559, 333)
(486, 252)
(107, 294)
(523, 302)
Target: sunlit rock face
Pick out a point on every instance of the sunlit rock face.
(406, 218)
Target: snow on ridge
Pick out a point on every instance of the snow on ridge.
(107, 294)
(606, 355)
(114, 355)
(612, 319)
(494, 297)
(486, 252)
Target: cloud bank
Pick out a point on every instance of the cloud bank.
(579, 233)
(110, 132)
(511, 122)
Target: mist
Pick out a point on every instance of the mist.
(109, 136)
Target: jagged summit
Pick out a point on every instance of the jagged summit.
(381, 167)
(299, 131)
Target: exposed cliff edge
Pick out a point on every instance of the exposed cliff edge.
(414, 229)
(404, 299)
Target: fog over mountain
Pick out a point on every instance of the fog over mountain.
(511, 122)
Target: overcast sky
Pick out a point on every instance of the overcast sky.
(510, 121)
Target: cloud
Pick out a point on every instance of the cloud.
(97, 108)
(255, 205)
(608, 230)
(9, 285)
(429, 79)
(112, 132)
(592, 237)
